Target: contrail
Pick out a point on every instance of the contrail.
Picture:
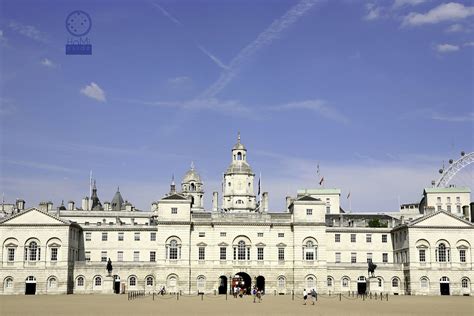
(213, 58)
(263, 39)
(166, 13)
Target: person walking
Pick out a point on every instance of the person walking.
(254, 293)
(305, 296)
(313, 295)
(259, 295)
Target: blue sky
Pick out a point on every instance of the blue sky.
(378, 93)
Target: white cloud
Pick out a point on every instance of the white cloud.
(265, 38)
(179, 80)
(319, 106)
(469, 44)
(455, 28)
(444, 12)
(28, 31)
(401, 3)
(469, 117)
(94, 91)
(374, 12)
(48, 63)
(446, 48)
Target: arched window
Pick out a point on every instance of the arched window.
(424, 283)
(345, 282)
(80, 281)
(310, 282)
(9, 283)
(444, 279)
(33, 252)
(330, 282)
(380, 282)
(310, 251)
(98, 281)
(52, 282)
(132, 281)
(465, 283)
(149, 281)
(239, 156)
(201, 283)
(193, 187)
(442, 253)
(394, 282)
(281, 282)
(241, 250)
(173, 250)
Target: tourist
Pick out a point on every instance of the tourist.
(305, 296)
(313, 295)
(254, 293)
(259, 295)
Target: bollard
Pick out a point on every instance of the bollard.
(177, 296)
(340, 295)
(370, 295)
(293, 295)
(387, 297)
(153, 295)
(363, 297)
(226, 295)
(375, 296)
(202, 296)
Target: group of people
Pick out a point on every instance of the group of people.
(313, 294)
(241, 291)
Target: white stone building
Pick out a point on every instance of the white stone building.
(425, 249)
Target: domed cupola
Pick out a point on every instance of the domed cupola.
(192, 186)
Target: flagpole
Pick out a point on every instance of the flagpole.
(350, 203)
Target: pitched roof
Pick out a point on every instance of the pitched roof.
(5, 220)
(423, 218)
(448, 190)
(175, 196)
(307, 198)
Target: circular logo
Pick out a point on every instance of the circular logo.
(78, 23)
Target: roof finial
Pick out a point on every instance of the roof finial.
(238, 137)
(118, 188)
(95, 187)
(172, 179)
(192, 165)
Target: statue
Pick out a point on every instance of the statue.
(109, 266)
(371, 269)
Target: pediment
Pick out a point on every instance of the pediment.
(54, 245)
(260, 244)
(201, 244)
(33, 216)
(11, 245)
(440, 219)
(223, 244)
(281, 245)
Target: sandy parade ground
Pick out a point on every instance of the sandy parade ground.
(218, 305)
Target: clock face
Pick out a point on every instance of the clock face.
(78, 23)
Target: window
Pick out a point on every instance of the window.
(137, 236)
(98, 281)
(384, 238)
(202, 234)
(223, 253)
(132, 281)
(8, 283)
(152, 256)
(448, 199)
(104, 236)
(281, 282)
(310, 282)
(424, 283)
(458, 208)
(259, 253)
(11, 254)
(309, 251)
(34, 252)
(465, 283)
(448, 208)
(345, 282)
(337, 237)
(149, 281)
(136, 256)
(153, 236)
(439, 208)
(353, 237)
(329, 282)
(173, 250)
(223, 234)
(368, 238)
(353, 257)
(174, 210)
(328, 209)
(309, 211)
(394, 282)
(202, 253)
(54, 254)
(462, 255)
(385, 257)
(369, 257)
(281, 235)
(438, 199)
(260, 234)
(103, 256)
(52, 283)
(241, 250)
(380, 282)
(120, 236)
(442, 253)
(422, 255)
(80, 281)
(338, 257)
(120, 256)
(88, 236)
(281, 254)
(87, 256)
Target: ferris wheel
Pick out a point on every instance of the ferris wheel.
(454, 167)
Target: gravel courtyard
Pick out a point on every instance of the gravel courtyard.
(217, 305)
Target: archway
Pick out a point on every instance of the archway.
(116, 284)
(30, 285)
(242, 280)
(261, 284)
(361, 285)
(444, 285)
(222, 284)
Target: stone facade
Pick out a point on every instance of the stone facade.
(180, 246)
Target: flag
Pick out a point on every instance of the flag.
(321, 182)
(258, 187)
(349, 195)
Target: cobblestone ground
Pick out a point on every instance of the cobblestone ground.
(218, 305)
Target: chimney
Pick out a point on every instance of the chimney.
(43, 206)
(215, 196)
(128, 206)
(20, 205)
(402, 219)
(106, 206)
(264, 202)
(49, 206)
(70, 205)
(85, 203)
(288, 202)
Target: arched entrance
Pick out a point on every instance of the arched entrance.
(361, 285)
(30, 285)
(444, 285)
(243, 281)
(222, 284)
(261, 283)
(116, 284)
